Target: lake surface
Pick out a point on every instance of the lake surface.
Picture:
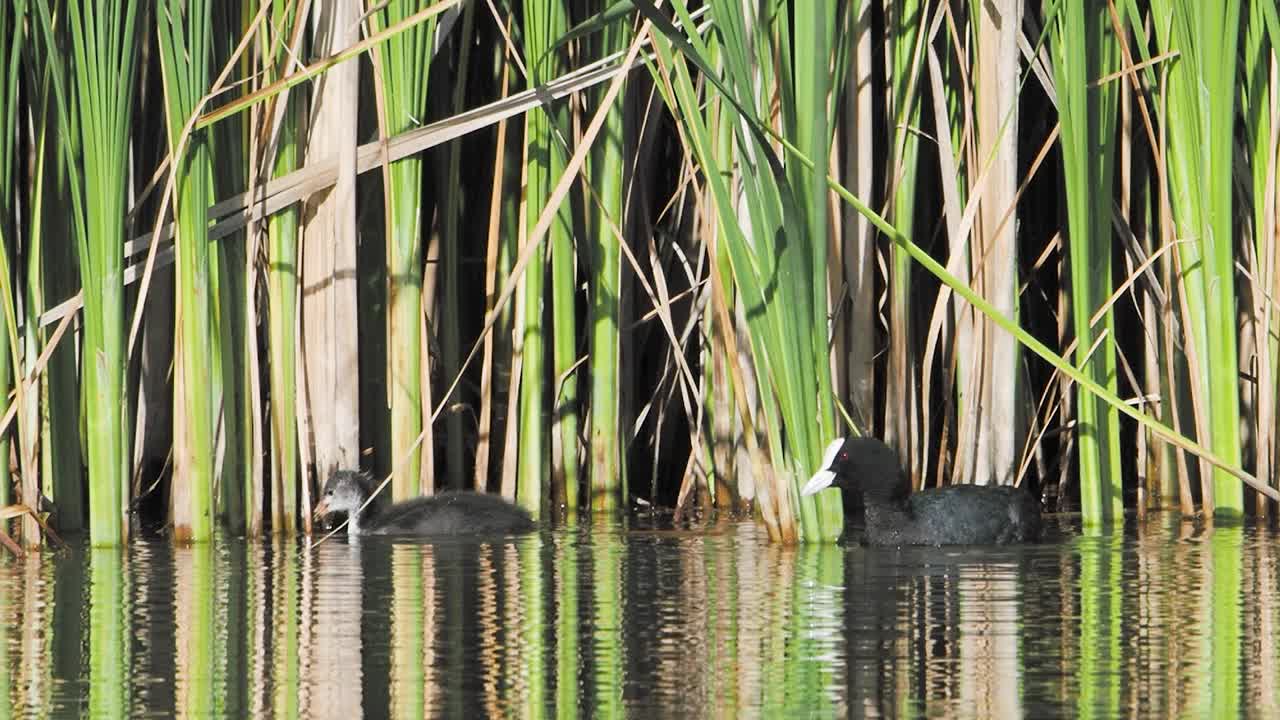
(1166, 619)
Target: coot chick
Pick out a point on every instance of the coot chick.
(450, 513)
(952, 515)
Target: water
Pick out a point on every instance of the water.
(1170, 619)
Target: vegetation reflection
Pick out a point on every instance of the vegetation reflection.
(645, 623)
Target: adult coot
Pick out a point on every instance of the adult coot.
(450, 513)
(952, 515)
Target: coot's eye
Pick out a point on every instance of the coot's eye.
(844, 455)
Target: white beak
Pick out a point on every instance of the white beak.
(822, 479)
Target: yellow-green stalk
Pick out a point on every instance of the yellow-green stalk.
(183, 31)
(544, 22)
(11, 39)
(565, 418)
(282, 293)
(236, 325)
(402, 65)
(608, 481)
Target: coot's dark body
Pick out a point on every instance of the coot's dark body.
(451, 513)
(953, 515)
(446, 514)
(956, 515)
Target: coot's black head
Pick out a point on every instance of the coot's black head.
(860, 464)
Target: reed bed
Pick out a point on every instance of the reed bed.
(663, 252)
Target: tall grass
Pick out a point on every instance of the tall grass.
(991, 417)
(29, 396)
(330, 293)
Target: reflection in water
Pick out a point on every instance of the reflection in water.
(108, 634)
(1176, 620)
(413, 610)
(331, 640)
(1101, 600)
(34, 676)
(194, 627)
(602, 628)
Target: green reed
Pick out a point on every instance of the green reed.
(184, 31)
(403, 64)
(1198, 117)
(1084, 51)
(94, 115)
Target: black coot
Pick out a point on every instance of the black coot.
(446, 514)
(952, 515)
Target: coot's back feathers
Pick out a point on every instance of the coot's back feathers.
(452, 513)
(956, 515)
